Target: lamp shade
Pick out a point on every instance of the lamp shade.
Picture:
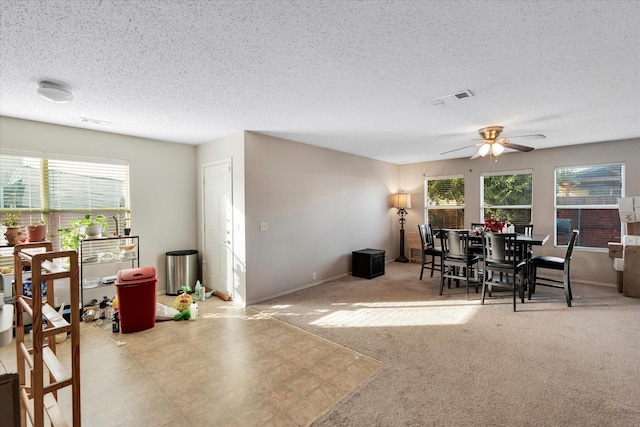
(484, 150)
(497, 149)
(401, 200)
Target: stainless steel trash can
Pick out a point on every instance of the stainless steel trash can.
(182, 269)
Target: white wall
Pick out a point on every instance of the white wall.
(162, 174)
(587, 266)
(320, 205)
(228, 147)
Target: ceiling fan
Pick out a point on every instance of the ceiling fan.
(492, 145)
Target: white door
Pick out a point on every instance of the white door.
(218, 228)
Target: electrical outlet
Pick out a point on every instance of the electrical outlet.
(263, 226)
(314, 275)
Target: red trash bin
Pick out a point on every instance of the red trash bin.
(136, 291)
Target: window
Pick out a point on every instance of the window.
(587, 200)
(56, 190)
(444, 202)
(507, 197)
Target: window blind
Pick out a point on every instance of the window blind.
(56, 189)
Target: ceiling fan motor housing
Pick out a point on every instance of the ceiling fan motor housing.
(490, 133)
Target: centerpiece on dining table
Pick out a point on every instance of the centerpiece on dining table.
(493, 225)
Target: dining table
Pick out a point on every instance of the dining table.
(525, 241)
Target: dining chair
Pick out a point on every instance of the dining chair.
(476, 247)
(502, 265)
(475, 225)
(553, 263)
(521, 228)
(458, 262)
(429, 249)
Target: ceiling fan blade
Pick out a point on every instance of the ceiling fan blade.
(475, 155)
(531, 136)
(517, 147)
(457, 149)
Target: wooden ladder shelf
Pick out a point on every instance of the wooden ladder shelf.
(40, 397)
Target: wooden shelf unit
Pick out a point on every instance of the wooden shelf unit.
(39, 397)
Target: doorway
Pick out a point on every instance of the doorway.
(217, 261)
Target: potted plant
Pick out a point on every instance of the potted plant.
(37, 232)
(13, 233)
(82, 228)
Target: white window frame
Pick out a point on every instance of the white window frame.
(607, 206)
(515, 172)
(426, 195)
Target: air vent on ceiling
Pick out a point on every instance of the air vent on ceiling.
(450, 98)
(95, 121)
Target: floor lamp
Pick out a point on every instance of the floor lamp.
(402, 201)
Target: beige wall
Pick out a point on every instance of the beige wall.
(162, 174)
(588, 266)
(320, 205)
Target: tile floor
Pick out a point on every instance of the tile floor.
(232, 366)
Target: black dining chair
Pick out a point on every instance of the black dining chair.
(475, 245)
(522, 228)
(458, 262)
(553, 263)
(502, 265)
(429, 250)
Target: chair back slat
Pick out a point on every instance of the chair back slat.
(499, 247)
(426, 234)
(455, 243)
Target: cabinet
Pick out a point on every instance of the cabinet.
(368, 263)
(101, 259)
(39, 395)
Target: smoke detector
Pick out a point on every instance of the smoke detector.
(54, 92)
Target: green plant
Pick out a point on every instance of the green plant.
(70, 236)
(11, 220)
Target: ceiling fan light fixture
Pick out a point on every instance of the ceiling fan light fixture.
(54, 92)
(497, 149)
(484, 150)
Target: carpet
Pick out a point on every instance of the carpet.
(452, 362)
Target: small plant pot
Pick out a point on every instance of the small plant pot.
(94, 231)
(13, 235)
(36, 233)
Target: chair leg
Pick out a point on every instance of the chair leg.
(442, 281)
(432, 264)
(466, 275)
(532, 280)
(484, 285)
(567, 288)
(520, 278)
(422, 269)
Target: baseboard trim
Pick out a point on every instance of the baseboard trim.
(300, 288)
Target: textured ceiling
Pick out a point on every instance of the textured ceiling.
(352, 76)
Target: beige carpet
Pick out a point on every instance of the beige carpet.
(452, 362)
